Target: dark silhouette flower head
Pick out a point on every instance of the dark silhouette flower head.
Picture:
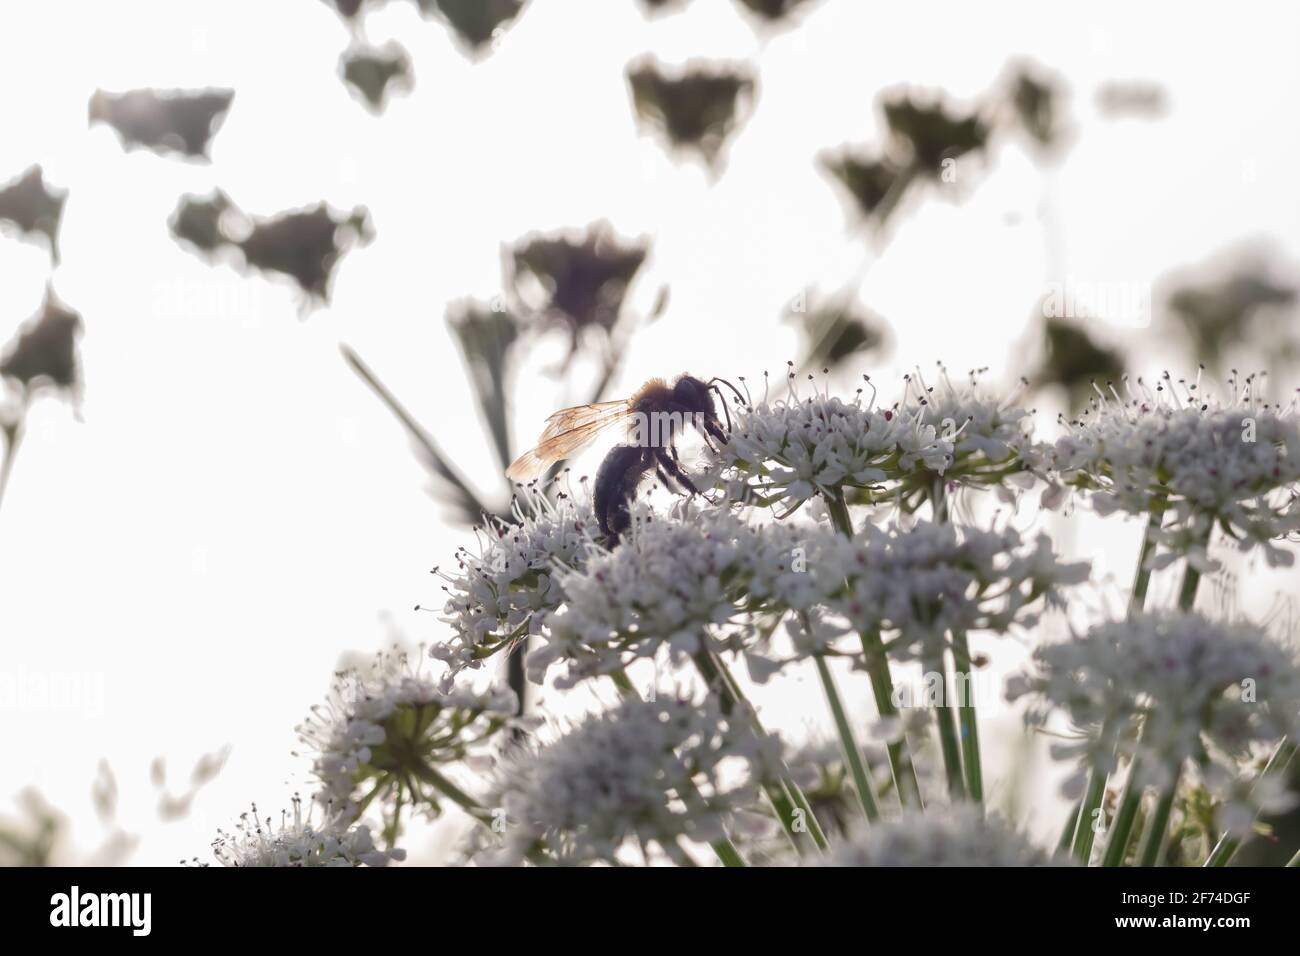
(197, 220)
(486, 333)
(578, 281)
(660, 6)
(1221, 313)
(164, 121)
(772, 11)
(836, 328)
(1036, 101)
(929, 133)
(696, 110)
(44, 352)
(1074, 360)
(304, 244)
(31, 207)
(347, 9)
(872, 182)
(475, 22)
(375, 73)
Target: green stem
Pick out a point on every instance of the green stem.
(452, 792)
(801, 801)
(727, 853)
(948, 740)
(1066, 839)
(394, 828)
(724, 849)
(839, 512)
(882, 682)
(963, 678)
(1187, 593)
(1154, 838)
(1083, 831)
(13, 436)
(1223, 851)
(1121, 829)
(1142, 575)
(1192, 577)
(1156, 827)
(852, 752)
(882, 687)
(783, 794)
(1096, 792)
(471, 806)
(623, 683)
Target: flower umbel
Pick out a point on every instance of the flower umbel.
(497, 595)
(383, 735)
(672, 580)
(991, 435)
(1209, 693)
(935, 578)
(647, 772)
(1197, 461)
(296, 842)
(796, 448)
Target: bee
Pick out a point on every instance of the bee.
(653, 419)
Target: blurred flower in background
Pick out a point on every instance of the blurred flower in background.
(376, 73)
(695, 109)
(41, 358)
(30, 206)
(304, 245)
(578, 281)
(1237, 303)
(164, 121)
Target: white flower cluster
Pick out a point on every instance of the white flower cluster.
(991, 435)
(256, 843)
(1236, 465)
(1206, 692)
(678, 578)
(961, 836)
(670, 579)
(495, 596)
(797, 448)
(935, 578)
(645, 771)
(390, 725)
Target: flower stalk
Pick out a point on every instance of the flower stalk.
(852, 752)
(783, 794)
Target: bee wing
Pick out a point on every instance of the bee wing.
(567, 432)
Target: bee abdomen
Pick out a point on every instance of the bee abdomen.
(616, 485)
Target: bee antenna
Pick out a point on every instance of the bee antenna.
(729, 385)
(725, 411)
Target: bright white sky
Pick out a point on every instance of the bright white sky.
(233, 510)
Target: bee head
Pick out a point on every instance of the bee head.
(694, 394)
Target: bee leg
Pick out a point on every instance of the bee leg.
(714, 428)
(674, 468)
(667, 480)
